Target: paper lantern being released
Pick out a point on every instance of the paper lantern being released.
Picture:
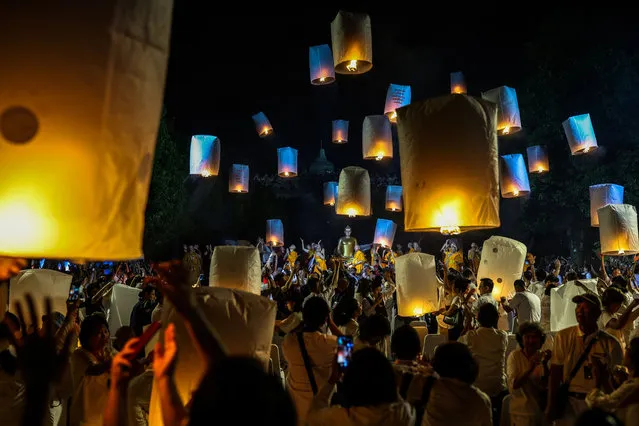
(205, 155)
(262, 125)
(448, 188)
(415, 275)
(40, 283)
(352, 43)
(354, 192)
(601, 195)
(580, 134)
(330, 193)
(239, 178)
(618, 233)
(502, 260)
(287, 162)
(397, 96)
(508, 119)
(537, 159)
(384, 232)
(320, 63)
(80, 102)
(340, 131)
(237, 268)
(377, 138)
(513, 176)
(457, 83)
(274, 233)
(562, 308)
(394, 198)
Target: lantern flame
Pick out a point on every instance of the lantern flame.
(332, 203)
(417, 311)
(285, 173)
(266, 131)
(352, 212)
(541, 169)
(393, 115)
(586, 149)
(380, 156)
(457, 89)
(393, 209)
(322, 79)
(205, 173)
(450, 230)
(515, 192)
(506, 130)
(621, 251)
(352, 65)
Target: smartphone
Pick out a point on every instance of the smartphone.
(146, 336)
(201, 278)
(344, 351)
(74, 292)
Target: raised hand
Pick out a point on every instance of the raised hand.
(122, 364)
(165, 355)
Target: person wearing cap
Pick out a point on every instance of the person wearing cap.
(569, 345)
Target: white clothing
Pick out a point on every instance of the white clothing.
(139, 398)
(527, 305)
(545, 313)
(445, 300)
(603, 321)
(484, 298)
(537, 288)
(351, 328)
(524, 401)
(488, 346)
(156, 315)
(629, 415)
(291, 322)
(453, 402)
(89, 392)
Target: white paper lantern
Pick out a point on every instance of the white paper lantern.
(205, 155)
(262, 125)
(40, 283)
(385, 232)
(394, 198)
(239, 178)
(513, 176)
(601, 195)
(502, 260)
(397, 96)
(352, 43)
(537, 159)
(274, 233)
(121, 303)
(415, 275)
(618, 232)
(340, 131)
(354, 192)
(562, 308)
(330, 193)
(320, 62)
(508, 118)
(377, 138)
(287, 162)
(237, 268)
(580, 134)
(457, 83)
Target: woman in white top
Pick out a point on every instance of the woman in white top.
(346, 314)
(613, 318)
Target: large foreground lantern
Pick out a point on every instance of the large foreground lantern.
(502, 260)
(618, 233)
(417, 284)
(80, 102)
(340, 131)
(239, 178)
(377, 138)
(463, 195)
(262, 124)
(457, 83)
(352, 43)
(330, 193)
(580, 134)
(274, 233)
(394, 198)
(384, 232)
(205, 155)
(537, 159)
(287, 162)
(513, 176)
(237, 268)
(320, 63)
(601, 195)
(354, 192)
(508, 118)
(397, 96)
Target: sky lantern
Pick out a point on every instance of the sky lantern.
(385, 233)
(320, 62)
(330, 193)
(80, 105)
(239, 179)
(205, 155)
(537, 159)
(415, 275)
(397, 96)
(274, 233)
(377, 138)
(237, 268)
(457, 83)
(352, 43)
(287, 162)
(394, 198)
(601, 195)
(354, 192)
(513, 176)
(262, 125)
(446, 188)
(340, 131)
(508, 118)
(580, 134)
(502, 260)
(618, 233)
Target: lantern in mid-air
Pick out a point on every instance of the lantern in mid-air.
(537, 159)
(397, 96)
(385, 232)
(354, 192)
(601, 195)
(508, 118)
(262, 125)
(320, 62)
(352, 43)
(513, 176)
(239, 178)
(457, 83)
(580, 134)
(274, 233)
(394, 198)
(236, 267)
(330, 193)
(205, 155)
(340, 131)
(618, 233)
(377, 138)
(287, 162)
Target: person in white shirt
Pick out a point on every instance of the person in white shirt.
(614, 318)
(485, 295)
(526, 305)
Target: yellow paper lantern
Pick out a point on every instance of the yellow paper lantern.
(354, 192)
(320, 61)
(81, 93)
(287, 162)
(274, 233)
(352, 43)
(340, 131)
(330, 193)
(537, 159)
(384, 232)
(237, 268)
(508, 118)
(457, 83)
(618, 233)
(377, 138)
(205, 155)
(513, 176)
(417, 284)
(394, 198)
(397, 96)
(580, 134)
(601, 195)
(262, 125)
(502, 260)
(239, 179)
(449, 164)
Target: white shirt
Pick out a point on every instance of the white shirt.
(629, 415)
(545, 313)
(603, 321)
(488, 346)
(483, 299)
(453, 402)
(524, 400)
(351, 328)
(527, 305)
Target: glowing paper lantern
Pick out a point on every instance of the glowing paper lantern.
(274, 233)
(377, 138)
(237, 268)
(40, 283)
(513, 176)
(262, 125)
(457, 83)
(320, 62)
(77, 135)
(340, 131)
(537, 159)
(415, 275)
(120, 306)
(287, 162)
(508, 118)
(580, 134)
(502, 260)
(562, 308)
(239, 178)
(354, 192)
(397, 96)
(330, 193)
(205, 155)
(352, 43)
(466, 196)
(394, 198)
(384, 232)
(618, 233)
(601, 195)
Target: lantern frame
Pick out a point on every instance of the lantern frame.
(330, 189)
(397, 96)
(600, 196)
(262, 125)
(508, 114)
(286, 155)
(340, 132)
(354, 192)
(457, 83)
(513, 176)
(274, 233)
(385, 230)
(393, 202)
(538, 161)
(577, 128)
(352, 43)
(377, 138)
(243, 173)
(207, 149)
(620, 220)
(320, 64)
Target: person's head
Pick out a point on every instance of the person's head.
(94, 333)
(587, 310)
(374, 329)
(461, 285)
(473, 245)
(376, 286)
(528, 276)
(631, 358)
(293, 301)
(486, 286)
(619, 282)
(541, 274)
(315, 313)
(356, 247)
(369, 380)
(405, 344)
(347, 231)
(612, 299)
(347, 309)
(530, 337)
(616, 272)
(488, 316)
(468, 274)
(571, 276)
(313, 284)
(56, 320)
(147, 293)
(410, 245)
(364, 286)
(342, 284)
(454, 360)
(520, 285)
(123, 335)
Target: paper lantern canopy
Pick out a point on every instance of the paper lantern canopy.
(466, 196)
(237, 268)
(320, 62)
(205, 155)
(537, 159)
(80, 105)
(274, 233)
(618, 232)
(394, 198)
(601, 195)
(287, 162)
(508, 118)
(397, 96)
(352, 43)
(354, 192)
(502, 260)
(262, 125)
(239, 178)
(330, 193)
(513, 176)
(384, 232)
(340, 131)
(457, 83)
(415, 275)
(377, 138)
(580, 134)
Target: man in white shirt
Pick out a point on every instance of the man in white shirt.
(485, 295)
(527, 306)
